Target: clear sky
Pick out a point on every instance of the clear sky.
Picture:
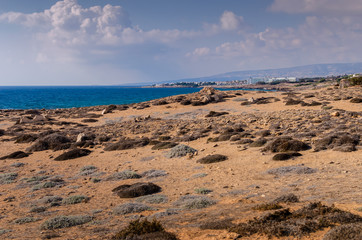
(102, 42)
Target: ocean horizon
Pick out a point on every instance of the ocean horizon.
(53, 97)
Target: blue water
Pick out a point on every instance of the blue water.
(82, 96)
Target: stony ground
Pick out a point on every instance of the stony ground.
(202, 164)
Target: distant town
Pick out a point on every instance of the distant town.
(255, 81)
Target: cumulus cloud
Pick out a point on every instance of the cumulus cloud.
(339, 7)
(229, 21)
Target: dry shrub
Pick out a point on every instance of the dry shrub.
(287, 198)
(352, 231)
(267, 206)
(302, 222)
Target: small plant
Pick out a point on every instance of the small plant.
(25, 220)
(75, 199)
(38, 209)
(194, 202)
(65, 221)
(203, 190)
(6, 178)
(87, 170)
(127, 174)
(131, 208)
(44, 185)
(153, 199)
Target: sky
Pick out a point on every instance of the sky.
(115, 42)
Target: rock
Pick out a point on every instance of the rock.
(136, 190)
(39, 118)
(212, 159)
(25, 120)
(344, 83)
(75, 153)
(15, 155)
(80, 137)
(335, 114)
(251, 100)
(208, 90)
(53, 141)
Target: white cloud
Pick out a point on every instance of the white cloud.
(229, 21)
(317, 40)
(198, 52)
(339, 7)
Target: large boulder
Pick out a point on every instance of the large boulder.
(136, 190)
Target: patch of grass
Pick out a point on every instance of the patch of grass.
(126, 174)
(194, 202)
(6, 178)
(267, 206)
(153, 199)
(65, 222)
(3, 231)
(45, 185)
(153, 173)
(25, 220)
(75, 199)
(143, 230)
(203, 190)
(36, 179)
(131, 208)
(38, 209)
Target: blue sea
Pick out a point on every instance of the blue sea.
(80, 96)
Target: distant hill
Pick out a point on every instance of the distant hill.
(315, 70)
